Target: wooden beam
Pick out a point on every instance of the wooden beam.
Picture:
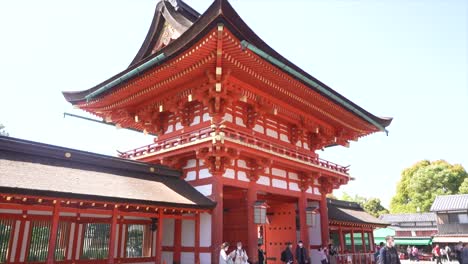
(159, 237)
(111, 252)
(53, 235)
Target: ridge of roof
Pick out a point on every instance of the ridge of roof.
(218, 12)
(409, 217)
(452, 202)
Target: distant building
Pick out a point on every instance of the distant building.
(452, 218)
(412, 229)
(351, 229)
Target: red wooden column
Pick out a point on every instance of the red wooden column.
(363, 240)
(352, 244)
(324, 218)
(371, 240)
(111, 253)
(217, 218)
(20, 237)
(342, 245)
(159, 236)
(177, 240)
(252, 233)
(75, 238)
(197, 238)
(53, 234)
(304, 229)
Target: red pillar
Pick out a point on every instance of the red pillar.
(53, 234)
(324, 219)
(177, 240)
(197, 238)
(342, 245)
(304, 229)
(159, 236)
(217, 218)
(111, 253)
(20, 238)
(363, 241)
(371, 240)
(252, 233)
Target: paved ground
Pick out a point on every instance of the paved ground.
(414, 262)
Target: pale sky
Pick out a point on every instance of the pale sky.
(406, 59)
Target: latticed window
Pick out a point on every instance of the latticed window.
(61, 244)
(39, 244)
(138, 241)
(95, 241)
(6, 227)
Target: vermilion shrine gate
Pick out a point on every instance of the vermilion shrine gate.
(240, 121)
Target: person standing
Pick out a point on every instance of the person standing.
(323, 254)
(261, 255)
(301, 254)
(223, 257)
(437, 254)
(388, 253)
(287, 255)
(464, 254)
(448, 251)
(239, 256)
(458, 251)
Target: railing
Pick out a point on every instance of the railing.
(353, 258)
(239, 137)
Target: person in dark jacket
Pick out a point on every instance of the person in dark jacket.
(464, 254)
(261, 255)
(287, 255)
(389, 254)
(301, 254)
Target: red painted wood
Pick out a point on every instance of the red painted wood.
(282, 229)
(197, 239)
(304, 229)
(324, 219)
(217, 218)
(121, 237)
(75, 239)
(111, 253)
(10, 243)
(53, 234)
(342, 245)
(252, 236)
(20, 239)
(177, 240)
(159, 237)
(363, 241)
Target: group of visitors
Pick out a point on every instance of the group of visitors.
(445, 253)
(413, 253)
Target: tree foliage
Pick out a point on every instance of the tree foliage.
(372, 206)
(421, 183)
(3, 132)
(464, 187)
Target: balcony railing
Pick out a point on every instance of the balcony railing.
(453, 228)
(228, 134)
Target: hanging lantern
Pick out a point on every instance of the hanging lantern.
(260, 208)
(311, 216)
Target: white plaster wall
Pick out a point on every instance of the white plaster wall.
(284, 138)
(259, 128)
(309, 190)
(299, 143)
(228, 117)
(168, 232)
(263, 180)
(205, 189)
(279, 184)
(191, 163)
(205, 258)
(204, 173)
(15, 240)
(293, 186)
(230, 173)
(278, 172)
(316, 191)
(187, 258)
(188, 233)
(78, 246)
(242, 176)
(293, 176)
(271, 133)
(196, 120)
(33, 212)
(167, 256)
(191, 175)
(10, 211)
(170, 128)
(205, 231)
(242, 164)
(240, 121)
(206, 117)
(178, 126)
(306, 146)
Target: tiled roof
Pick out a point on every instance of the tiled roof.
(350, 212)
(417, 217)
(32, 168)
(450, 203)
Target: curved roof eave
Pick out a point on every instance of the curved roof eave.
(222, 12)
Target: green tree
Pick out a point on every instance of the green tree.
(464, 187)
(421, 183)
(372, 206)
(3, 132)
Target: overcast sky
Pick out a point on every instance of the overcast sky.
(404, 59)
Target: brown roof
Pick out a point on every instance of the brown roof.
(219, 12)
(32, 168)
(345, 211)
